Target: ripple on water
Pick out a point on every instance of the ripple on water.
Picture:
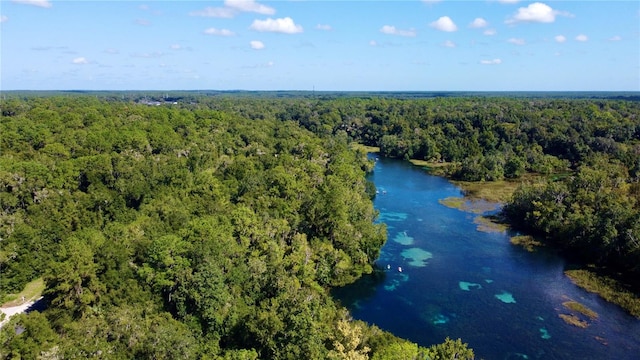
(403, 239)
(418, 256)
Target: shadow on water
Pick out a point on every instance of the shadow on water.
(350, 296)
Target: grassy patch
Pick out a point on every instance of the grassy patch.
(475, 206)
(486, 224)
(435, 168)
(494, 191)
(365, 148)
(581, 308)
(526, 241)
(609, 289)
(573, 320)
(31, 291)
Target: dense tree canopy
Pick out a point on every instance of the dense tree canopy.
(208, 229)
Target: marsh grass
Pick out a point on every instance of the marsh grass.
(573, 320)
(365, 148)
(475, 206)
(489, 224)
(434, 168)
(608, 288)
(526, 241)
(580, 308)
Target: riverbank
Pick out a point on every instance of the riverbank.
(476, 197)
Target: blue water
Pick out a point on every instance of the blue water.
(459, 282)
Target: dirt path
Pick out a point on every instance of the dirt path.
(13, 310)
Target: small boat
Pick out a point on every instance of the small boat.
(388, 267)
(399, 269)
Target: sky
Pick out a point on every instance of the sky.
(328, 45)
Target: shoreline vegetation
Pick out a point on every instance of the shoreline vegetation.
(479, 197)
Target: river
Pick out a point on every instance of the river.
(457, 281)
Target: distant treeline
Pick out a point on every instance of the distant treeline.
(212, 228)
(585, 153)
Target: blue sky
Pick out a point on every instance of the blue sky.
(481, 45)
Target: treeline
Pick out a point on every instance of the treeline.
(583, 153)
(203, 230)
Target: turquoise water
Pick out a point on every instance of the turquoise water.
(439, 276)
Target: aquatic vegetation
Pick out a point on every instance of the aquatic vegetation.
(467, 286)
(401, 278)
(475, 206)
(573, 320)
(418, 256)
(581, 308)
(607, 288)
(440, 319)
(403, 239)
(392, 216)
(526, 241)
(506, 297)
(486, 224)
(544, 333)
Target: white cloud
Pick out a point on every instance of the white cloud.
(324, 27)
(3, 18)
(143, 22)
(282, 25)
(478, 23)
(449, 44)
(582, 38)
(536, 12)
(391, 30)
(444, 23)
(431, 1)
(373, 43)
(516, 41)
(491, 62)
(112, 51)
(508, 1)
(219, 32)
(216, 12)
(80, 61)
(615, 38)
(39, 3)
(256, 45)
(560, 38)
(490, 32)
(249, 6)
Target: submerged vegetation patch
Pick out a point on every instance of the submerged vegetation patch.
(467, 286)
(418, 256)
(608, 288)
(506, 297)
(403, 239)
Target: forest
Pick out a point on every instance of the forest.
(203, 228)
(214, 225)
